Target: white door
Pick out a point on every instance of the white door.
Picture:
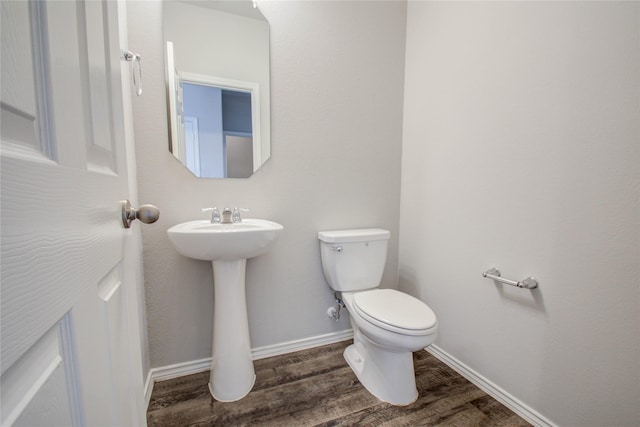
(192, 145)
(70, 346)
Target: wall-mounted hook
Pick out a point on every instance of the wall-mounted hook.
(135, 58)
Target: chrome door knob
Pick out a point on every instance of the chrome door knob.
(145, 213)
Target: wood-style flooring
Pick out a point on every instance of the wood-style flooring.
(316, 387)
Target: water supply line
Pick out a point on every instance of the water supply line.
(334, 312)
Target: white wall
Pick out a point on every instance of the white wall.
(520, 151)
(337, 72)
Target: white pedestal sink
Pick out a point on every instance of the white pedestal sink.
(227, 246)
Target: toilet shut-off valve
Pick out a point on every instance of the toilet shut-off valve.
(334, 312)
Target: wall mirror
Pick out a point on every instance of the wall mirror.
(218, 86)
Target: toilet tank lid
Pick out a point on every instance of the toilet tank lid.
(356, 235)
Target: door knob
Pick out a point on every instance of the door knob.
(145, 213)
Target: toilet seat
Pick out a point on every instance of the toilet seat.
(395, 311)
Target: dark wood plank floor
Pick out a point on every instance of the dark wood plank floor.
(316, 387)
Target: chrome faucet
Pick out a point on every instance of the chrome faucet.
(236, 214)
(215, 214)
(226, 216)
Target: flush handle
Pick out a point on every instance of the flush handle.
(336, 248)
(145, 213)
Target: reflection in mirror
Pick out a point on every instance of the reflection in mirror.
(216, 125)
(217, 58)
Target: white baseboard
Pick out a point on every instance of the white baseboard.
(302, 344)
(491, 389)
(193, 367)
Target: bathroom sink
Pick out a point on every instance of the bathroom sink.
(227, 247)
(205, 241)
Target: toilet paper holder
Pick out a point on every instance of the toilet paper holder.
(494, 274)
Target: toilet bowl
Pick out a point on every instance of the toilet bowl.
(382, 352)
(392, 319)
(388, 325)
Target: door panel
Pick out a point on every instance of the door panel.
(93, 56)
(68, 351)
(25, 126)
(112, 302)
(34, 383)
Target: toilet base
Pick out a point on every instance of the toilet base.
(388, 375)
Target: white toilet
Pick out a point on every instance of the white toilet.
(388, 325)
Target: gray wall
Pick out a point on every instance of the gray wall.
(521, 151)
(337, 83)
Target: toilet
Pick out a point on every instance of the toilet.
(388, 325)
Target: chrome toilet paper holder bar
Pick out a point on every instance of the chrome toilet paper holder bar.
(494, 274)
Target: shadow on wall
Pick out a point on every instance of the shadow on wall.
(529, 298)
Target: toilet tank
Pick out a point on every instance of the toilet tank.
(353, 260)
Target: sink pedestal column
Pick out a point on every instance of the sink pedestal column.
(232, 373)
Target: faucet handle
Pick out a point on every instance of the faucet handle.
(215, 214)
(236, 214)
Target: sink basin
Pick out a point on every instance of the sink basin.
(208, 242)
(227, 247)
